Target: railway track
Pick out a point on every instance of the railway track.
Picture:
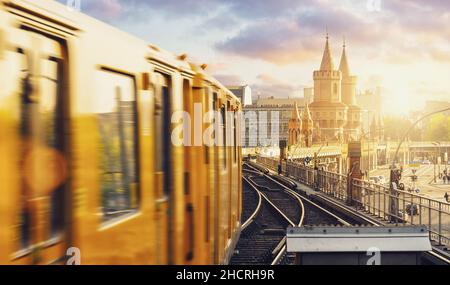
(263, 238)
(264, 230)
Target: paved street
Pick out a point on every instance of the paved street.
(425, 181)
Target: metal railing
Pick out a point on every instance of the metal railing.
(374, 199)
(409, 208)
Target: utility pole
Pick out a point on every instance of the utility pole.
(283, 156)
(435, 162)
(369, 158)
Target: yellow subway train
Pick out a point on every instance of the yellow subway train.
(89, 173)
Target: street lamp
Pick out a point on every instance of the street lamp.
(437, 144)
(368, 133)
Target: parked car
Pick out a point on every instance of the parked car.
(426, 162)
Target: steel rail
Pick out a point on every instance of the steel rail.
(439, 255)
(271, 203)
(339, 219)
(300, 198)
(282, 247)
(257, 210)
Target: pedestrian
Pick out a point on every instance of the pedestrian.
(447, 197)
(445, 179)
(448, 179)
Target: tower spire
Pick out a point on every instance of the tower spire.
(343, 67)
(327, 60)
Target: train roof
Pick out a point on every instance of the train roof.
(79, 23)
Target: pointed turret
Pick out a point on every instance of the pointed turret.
(295, 113)
(307, 127)
(343, 67)
(327, 59)
(307, 114)
(295, 127)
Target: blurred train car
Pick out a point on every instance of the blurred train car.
(86, 155)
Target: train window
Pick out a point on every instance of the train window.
(116, 115)
(210, 106)
(214, 102)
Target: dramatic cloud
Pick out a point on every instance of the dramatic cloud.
(269, 86)
(229, 80)
(294, 37)
(256, 41)
(279, 42)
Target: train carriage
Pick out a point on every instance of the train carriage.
(87, 158)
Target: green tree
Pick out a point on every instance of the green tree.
(438, 128)
(396, 127)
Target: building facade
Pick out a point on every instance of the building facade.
(267, 121)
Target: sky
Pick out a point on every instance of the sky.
(275, 45)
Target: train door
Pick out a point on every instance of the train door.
(200, 177)
(208, 193)
(214, 181)
(162, 161)
(190, 180)
(37, 63)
